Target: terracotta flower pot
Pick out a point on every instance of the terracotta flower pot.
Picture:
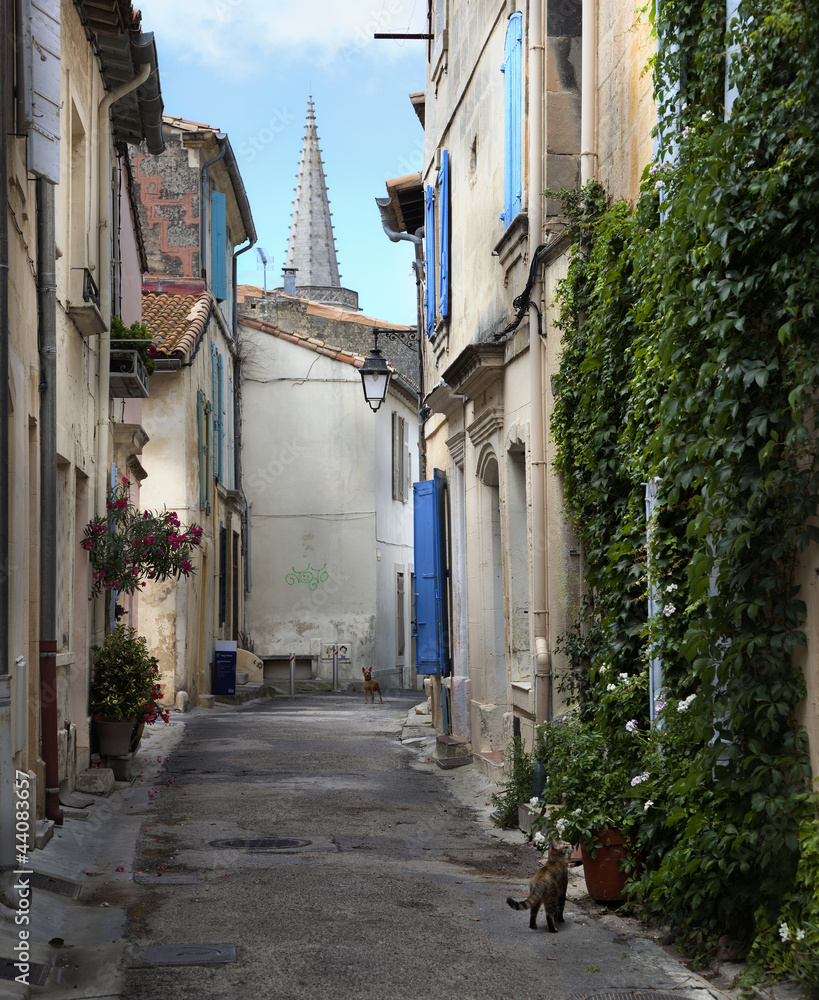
(605, 881)
(114, 738)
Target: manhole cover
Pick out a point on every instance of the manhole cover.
(181, 954)
(37, 974)
(261, 843)
(51, 884)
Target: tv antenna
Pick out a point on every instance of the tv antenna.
(264, 260)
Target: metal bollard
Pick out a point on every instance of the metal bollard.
(335, 667)
(292, 674)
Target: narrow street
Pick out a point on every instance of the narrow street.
(340, 863)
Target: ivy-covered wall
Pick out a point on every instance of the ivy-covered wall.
(691, 358)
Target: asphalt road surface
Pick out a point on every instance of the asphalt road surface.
(337, 863)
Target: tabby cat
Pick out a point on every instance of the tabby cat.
(548, 886)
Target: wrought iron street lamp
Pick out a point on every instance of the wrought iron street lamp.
(375, 376)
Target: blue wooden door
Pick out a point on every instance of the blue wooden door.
(431, 577)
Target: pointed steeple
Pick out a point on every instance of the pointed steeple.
(311, 249)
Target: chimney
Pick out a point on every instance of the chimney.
(289, 280)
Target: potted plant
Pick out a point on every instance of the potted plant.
(593, 777)
(124, 690)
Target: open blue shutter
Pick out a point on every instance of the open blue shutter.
(429, 286)
(218, 245)
(40, 91)
(512, 184)
(443, 217)
(431, 599)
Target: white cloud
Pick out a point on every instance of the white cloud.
(237, 37)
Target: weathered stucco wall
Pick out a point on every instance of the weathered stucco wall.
(318, 480)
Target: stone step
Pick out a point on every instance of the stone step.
(247, 692)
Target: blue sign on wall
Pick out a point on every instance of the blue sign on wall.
(431, 598)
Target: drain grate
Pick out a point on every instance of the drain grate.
(261, 843)
(49, 883)
(37, 974)
(181, 954)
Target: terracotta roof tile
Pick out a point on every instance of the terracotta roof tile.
(176, 321)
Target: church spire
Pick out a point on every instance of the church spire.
(311, 249)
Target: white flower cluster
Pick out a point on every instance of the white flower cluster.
(669, 610)
(684, 704)
(638, 779)
(539, 838)
(785, 933)
(611, 687)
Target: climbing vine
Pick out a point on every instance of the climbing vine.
(691, 359)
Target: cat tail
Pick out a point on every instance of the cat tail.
(534, 899)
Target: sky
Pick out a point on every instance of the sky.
(248, 67)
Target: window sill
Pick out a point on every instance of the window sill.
(512, 246)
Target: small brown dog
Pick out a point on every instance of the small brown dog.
(371, 686)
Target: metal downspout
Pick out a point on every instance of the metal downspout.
(588, 152)
(47, 323)
(7, 853)
(540, 536)
(4, 350)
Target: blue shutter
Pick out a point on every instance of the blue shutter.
(218, 245)
(40, 96)
(429, 285)
(431, 598)
(443, 218)
(512, 184)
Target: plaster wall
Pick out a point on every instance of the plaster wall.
(310, 473)
(626, 113)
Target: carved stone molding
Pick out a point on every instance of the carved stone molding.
(486, 426)
(476, 368)
(457, 447)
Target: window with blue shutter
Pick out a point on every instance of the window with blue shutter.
(429, 286)
(512, 183)
(431, 595)
(218, 245)
(443, 220)
(39, 90)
